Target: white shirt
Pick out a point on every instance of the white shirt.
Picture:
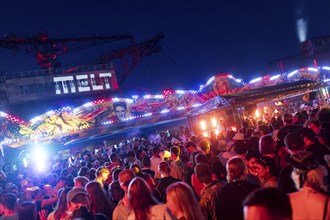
(155, 161)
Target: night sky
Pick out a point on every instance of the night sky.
(202, 38)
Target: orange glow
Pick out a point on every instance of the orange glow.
(214, 122)
(257, 114)
(203, 125)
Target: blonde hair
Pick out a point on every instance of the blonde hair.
(236, 169)
(313, 177)
(183, 196)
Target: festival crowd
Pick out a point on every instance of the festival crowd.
(274, 169)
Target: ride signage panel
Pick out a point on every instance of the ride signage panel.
(52, 86)
(82, 83)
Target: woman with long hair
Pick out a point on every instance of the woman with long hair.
(99, 202)
(266, 171)
(59, 212)
(182, 202)
(27, 211)
(144, 206)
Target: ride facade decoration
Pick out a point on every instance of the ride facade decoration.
(108, 115)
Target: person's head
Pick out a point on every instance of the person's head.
(27, 211)
(100, 216)
(120, 110)
(83, 171)
(155, 151)
(165, 155)
(203, 173)
(164, 169)
(264, 129)
(86, 158)
(312, 116)
(116, 193)
(113, 157)
(205, 146)
(288, 118)
(37, 194)
(267, 203)
(324, 115)
(182, 202)
(61, 205)
(236, 169)
(267, 145)
(275, 124)
(240, 147)
(307, 171)
(309, 136)
(300, 117)
(92, 174)
(146, 162)
(251, 157)
(254, 141)
(89, 165)
(315, 125)
(103, 173)
(97, 196)
(135, 168)
(125, 177)
(175, 152)
(62, 182)
(80, 181)
(115, 173)
(96, 164)
(265, 167)
(200, 158)
(64, 172)
(294, 142)
(8, 201)
(140, 154)
(190, 146)
(140, 197)
(82, 212)
(77, 197)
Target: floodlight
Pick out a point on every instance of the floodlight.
(40, 158)
(256, 80)
(275, 77)
(257, 114)
(214, 122)
(203, 125)
(312, 69)
(292, 73)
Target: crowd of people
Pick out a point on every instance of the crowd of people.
(277, 170)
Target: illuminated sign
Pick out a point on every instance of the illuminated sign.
(38, 87)
(82, 83)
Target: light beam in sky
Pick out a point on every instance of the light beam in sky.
(301, 21)
(302, 28)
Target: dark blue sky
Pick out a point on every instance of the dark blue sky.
(202, 38)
